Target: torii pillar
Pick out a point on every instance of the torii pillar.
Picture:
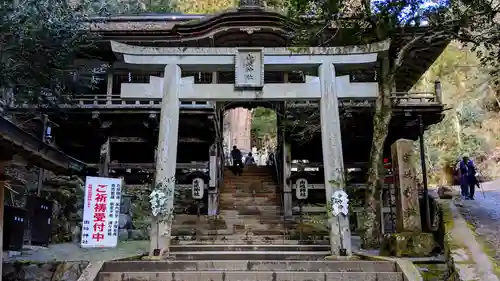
(166, 154)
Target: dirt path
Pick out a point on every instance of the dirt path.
(484, 214)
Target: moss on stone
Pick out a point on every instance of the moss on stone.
(433, 272)
(488, 249)
(408, 244)
(342, 258)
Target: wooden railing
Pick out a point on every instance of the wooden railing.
(116, 102)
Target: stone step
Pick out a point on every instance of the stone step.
(251, 255)
(252, 169)
(278, 241)
(213, 234)
(241, 195)
(234, 221)
(249, 266)
(263, 208)
(234, 230)
(250, 209)
(248, 189)
(271, 216)
(255, 247)
(248, 174)
(250, 178)
(257, 198)
(250, 276)
(270, 219)
(236, 238)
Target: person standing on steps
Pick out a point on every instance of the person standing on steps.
(249, 160)
(237, 161)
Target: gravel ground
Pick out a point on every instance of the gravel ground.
(484, 214)
(73, 252)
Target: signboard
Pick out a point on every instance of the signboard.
(249, 68)
(101, 212)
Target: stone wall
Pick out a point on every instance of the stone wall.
(56, 271)
(67, 196)
(66, 193)
(135, 214)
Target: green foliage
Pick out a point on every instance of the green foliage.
(264, 127)
(471, 124)
(40, 40)
(204, 7)
(361, 22)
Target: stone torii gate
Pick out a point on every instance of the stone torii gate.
(249, 64)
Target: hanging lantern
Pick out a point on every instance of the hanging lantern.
(197, 188)
(302, 189)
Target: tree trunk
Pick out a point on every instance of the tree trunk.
(371, 235)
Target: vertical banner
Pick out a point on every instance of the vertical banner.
(101, 212)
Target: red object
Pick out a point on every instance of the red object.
(388, 171)
(98, 236)
(101, 199)
(89, 195)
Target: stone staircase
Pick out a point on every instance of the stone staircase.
(246, 243)
(242, 270)
(249, 208)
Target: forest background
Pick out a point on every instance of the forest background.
(44, 36)
(471, 123)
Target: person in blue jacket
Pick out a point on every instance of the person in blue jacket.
(468, 181)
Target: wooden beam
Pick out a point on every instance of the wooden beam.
(148, 186)
(128, 140)
(319, 186)
(282, 63)
(145, 140)
(229, 51)
(189, 91)
(193, 140)
(222, 92)
(5, 156)
(104, 159)
(2, 192)
(150, 166)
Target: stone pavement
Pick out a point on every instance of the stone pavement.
(72, 252)
(484, 214)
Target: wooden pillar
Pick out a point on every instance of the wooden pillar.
(331, 140)
(407, 203)
(4, 158)
(286, 160)
(105, 159)
(109, 88)
(213, 202)
(438, 92)
(214, 154)
(287, 185)
(45, 120)
(166, 156)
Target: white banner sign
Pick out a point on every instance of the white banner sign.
(101, 212)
